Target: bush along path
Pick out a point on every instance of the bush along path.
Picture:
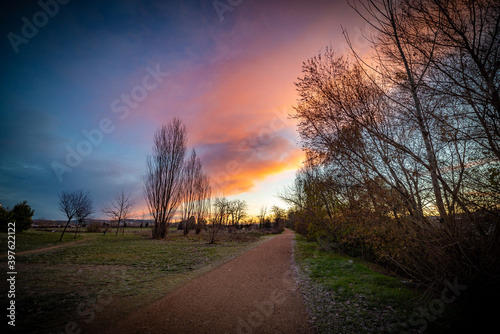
(256, 292)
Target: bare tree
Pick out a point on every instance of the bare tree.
(163, 180)
(279, 214)
(219, 218)
(142, 219)
(85, 209)
(461, 41)
(70, 204)
(203, 197)
(409, 134)
(262, 216)
(119, 209)
(237, 209)
(191, 174)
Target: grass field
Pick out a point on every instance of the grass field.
(88, 284)
(33, 239)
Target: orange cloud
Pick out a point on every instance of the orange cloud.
(234, 177)
(235, 104)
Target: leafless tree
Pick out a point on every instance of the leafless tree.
(203, 204)
(119, 209)
(191, 175)
(219, 218)
(461, 41)
(237, 210)
(85, 209)
(163, 180)
(142, 219)
(279, 213)
(71, 203)
(262, 216)
(410, 132)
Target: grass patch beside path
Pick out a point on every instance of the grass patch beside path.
(32, 239)
(91, 284)
(343, 295)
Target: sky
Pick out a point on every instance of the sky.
(85, 85)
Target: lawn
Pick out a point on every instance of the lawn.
(32, 239)
(99, 280)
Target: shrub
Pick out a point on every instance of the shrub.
(5, 218)
(21, 214)
(93, 228)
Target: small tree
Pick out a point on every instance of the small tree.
(279, 217)
(279, 213)
(119, 209)
(220, 215)
(69, 204)
(237, 209)
(84, 210)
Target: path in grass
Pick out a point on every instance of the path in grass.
(253, 293)
(46, 249)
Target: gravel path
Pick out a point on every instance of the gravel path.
(256, 292)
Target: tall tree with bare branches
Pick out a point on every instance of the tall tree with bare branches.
(203, 198)
(163, 180)
(191, 173)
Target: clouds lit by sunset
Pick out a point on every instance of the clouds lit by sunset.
(124, 68)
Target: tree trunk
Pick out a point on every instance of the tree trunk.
(77, 227)
(60, 239)
(433, 168)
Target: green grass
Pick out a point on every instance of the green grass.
(103, 278)
(349, 297)
(32, 239)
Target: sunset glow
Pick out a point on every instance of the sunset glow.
(82, 99)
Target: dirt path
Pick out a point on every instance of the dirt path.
(45, 249)
(253, 293)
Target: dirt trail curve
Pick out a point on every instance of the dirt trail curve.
(253, 293)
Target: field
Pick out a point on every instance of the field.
(87, 284)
